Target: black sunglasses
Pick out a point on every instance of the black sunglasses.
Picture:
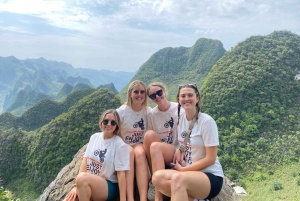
(158, 93)
(112, 122)
(137, 91)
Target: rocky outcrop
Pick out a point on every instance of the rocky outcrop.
(61, 186)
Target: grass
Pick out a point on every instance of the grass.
(285, 180)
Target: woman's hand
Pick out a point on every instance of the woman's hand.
(177, 156)
(178, 166)
(72, 195)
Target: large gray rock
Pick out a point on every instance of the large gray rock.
(61, 186)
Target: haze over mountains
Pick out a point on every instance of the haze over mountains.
(251, 91)
(31, 80)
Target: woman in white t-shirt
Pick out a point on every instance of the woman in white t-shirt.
(102, 171)
(202, 175)
(162, 121)
(133, 116)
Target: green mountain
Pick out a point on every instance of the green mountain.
(251, 91)
(253, 95)
(41, 76)
(24, 100)
(174, 66)
(102, 77)
(32, 159)
(64, 91)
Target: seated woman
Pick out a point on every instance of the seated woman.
(162, 120)
(202, 176)
(133, 117)
(102, 171)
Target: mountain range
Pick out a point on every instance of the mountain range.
(32, 80)
(251, 91)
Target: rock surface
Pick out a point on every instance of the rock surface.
(61, 186)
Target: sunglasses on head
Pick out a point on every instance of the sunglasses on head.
(185, 85)
(137, 91)
(112, 122)
(158, 93)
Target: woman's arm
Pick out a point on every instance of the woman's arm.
(83, 166)
(208, 160)
(122, 185)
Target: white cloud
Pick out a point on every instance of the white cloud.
(132, 30)
(32, 6)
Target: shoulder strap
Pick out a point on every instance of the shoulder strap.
(182, 147)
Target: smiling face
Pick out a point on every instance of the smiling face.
(157, 91)
(138, 94)
(109, 128)
(188, 98)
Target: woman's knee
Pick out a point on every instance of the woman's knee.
(82, 178)
(155, 148)
(177, 180)
(150, 136)
(157, 177)
(139, 154)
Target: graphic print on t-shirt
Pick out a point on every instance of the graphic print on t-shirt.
(139, 124)
(169, 138)
(136, 135)
(95, 167)
(169, 123)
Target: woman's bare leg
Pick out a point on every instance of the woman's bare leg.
(141, 171)
(91, 187)
(163, 154)
(129, 174)
(150, 137)
(190, 184)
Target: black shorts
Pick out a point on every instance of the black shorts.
(216, 184)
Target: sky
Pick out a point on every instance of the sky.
(121, 35)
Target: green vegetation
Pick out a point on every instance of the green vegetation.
(174, 66)
(280, 185)
(32, 159)
(252, 94)
(250, 91)
(6, 195)
(42, 112)
(46, 110)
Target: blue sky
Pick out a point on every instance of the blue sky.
(121, 35)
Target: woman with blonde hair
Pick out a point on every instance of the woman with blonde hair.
(162, 120)
(102, 171)
(133, 115)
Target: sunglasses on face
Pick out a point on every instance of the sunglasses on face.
(158, 93)
(112, 122)
(137, 91)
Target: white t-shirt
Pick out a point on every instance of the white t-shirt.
(133, 124)
(164, 123)
(105, 157)
(204, 134)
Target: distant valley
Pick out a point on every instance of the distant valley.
(25, 82)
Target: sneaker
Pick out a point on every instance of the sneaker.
(151, 192)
